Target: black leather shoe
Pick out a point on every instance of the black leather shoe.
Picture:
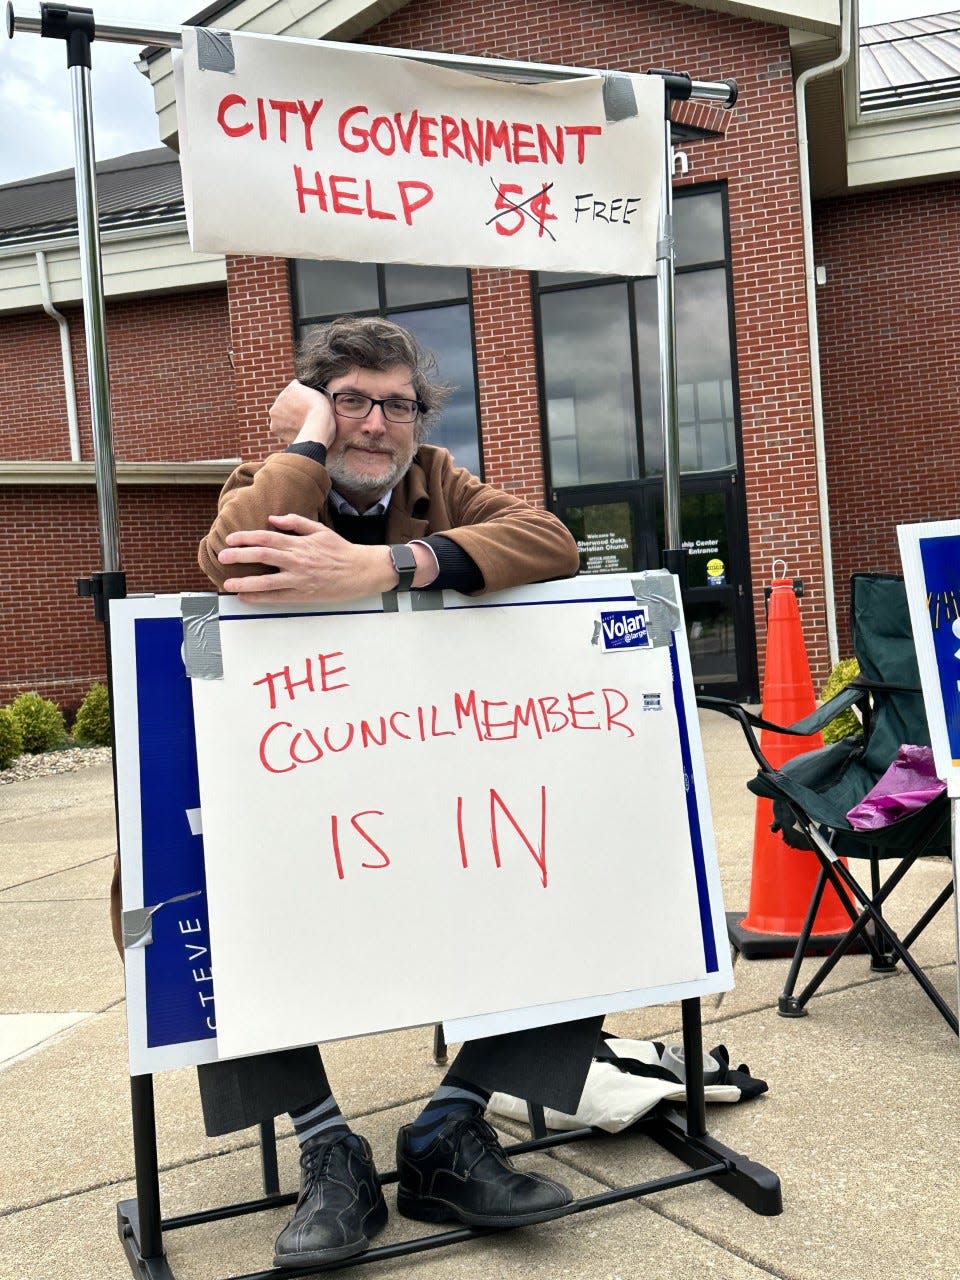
(341, 1207)
(465, 1176)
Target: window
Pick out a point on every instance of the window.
(601, 361)
(432, 302)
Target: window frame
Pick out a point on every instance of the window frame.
(686, 192)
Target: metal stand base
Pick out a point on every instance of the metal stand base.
(752, 1184)
(755, 1186)
(128, 1228)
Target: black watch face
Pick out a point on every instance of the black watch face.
(405, 563)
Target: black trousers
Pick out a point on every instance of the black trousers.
(546, 1065)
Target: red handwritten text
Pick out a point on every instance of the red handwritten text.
(364, 835)
(285, 746)
(502, 821)
(342, 193)
(476, 141)
(288, 685)
(233, 117)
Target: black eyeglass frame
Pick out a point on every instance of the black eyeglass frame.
(418, 405)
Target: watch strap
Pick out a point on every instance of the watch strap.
(405, 563)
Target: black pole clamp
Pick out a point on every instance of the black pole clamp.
(674, 560)
(72, 24)
(101, 587)
(678, 84)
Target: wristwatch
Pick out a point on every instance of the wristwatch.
(405, 563)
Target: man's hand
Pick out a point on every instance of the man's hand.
(301, 413)
(313, 564)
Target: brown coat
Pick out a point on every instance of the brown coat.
(511, 542)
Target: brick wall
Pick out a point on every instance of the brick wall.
(506, 368)
(261, 335)
(758, 159)
(172, 399)
(49, 640)
(890, 344)
(171, 384)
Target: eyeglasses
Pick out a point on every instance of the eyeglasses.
(354, 405)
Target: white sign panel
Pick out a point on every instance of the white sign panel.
(930, 553)
(293, 148)
(445, 815)
(931, 568)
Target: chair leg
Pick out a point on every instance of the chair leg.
(787, 1006)
(839, 876)
(942, 898)
(268, 1158)
(439, 1045)
(537, 1120)
(883, 960)
(889, 942)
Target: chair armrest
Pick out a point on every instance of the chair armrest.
(849, 696)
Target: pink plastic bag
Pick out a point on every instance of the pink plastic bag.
(910, 783)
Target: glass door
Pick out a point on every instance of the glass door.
(716, 597)
(619, 528)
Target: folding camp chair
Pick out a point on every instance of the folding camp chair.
(813, 792)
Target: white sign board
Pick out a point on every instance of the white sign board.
(930, 553)
(492, 814)
(291, 147)
(931, 569)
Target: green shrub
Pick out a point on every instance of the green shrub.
(848, 722)
(11, 739)
(92, 725)
(40, 722)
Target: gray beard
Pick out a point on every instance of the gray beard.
(346, 480)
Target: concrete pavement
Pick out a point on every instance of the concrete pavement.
(862, 1121)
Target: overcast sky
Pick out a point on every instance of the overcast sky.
(37, 134)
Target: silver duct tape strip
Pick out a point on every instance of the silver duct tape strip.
(215, 51)
(202, 655)
(423, 600)
(138, 922)
(619, 99)
(656, 590)
(666, 244)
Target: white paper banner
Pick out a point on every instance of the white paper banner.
(306, 151)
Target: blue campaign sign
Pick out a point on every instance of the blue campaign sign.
(941, 575)
(931, 570)
(167, 957)
(179, 990)
(503, 695)
(623, 629)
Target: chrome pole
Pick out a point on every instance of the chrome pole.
(666, 330)
(676, 87)
(94, 311)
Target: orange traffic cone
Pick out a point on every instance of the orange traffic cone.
(783, 879)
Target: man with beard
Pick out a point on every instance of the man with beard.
(356, 505)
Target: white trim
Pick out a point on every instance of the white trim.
(140, 231)
(212, 471)
(137, 262)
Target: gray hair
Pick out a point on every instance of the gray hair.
(369, 342)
